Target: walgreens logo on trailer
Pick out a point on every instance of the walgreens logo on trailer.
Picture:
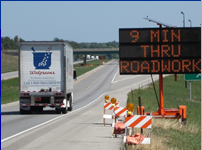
(42, 60)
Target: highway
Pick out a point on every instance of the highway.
(80, 129)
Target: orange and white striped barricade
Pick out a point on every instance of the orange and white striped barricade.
(118, 112)
(139, 121)
(108, 106)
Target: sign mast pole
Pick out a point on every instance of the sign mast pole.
(161, 105)
(161, 110)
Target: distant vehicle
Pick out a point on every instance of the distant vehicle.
(88, 57)
(46, 76)
(92, 57)
(96, 57)
(101, 57)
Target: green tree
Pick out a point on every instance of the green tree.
(74, 44)
(21, 40)
(16, 39)
(57, 39)
(10, 44)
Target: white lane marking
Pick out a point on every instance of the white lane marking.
(126, 78)
(130, 77)
(114, 76)
(127, 86)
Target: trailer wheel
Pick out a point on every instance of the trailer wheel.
(70, 104)
(57, 111)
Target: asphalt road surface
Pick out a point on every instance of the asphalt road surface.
(81, 128)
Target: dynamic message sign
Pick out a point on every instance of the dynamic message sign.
(160, 50)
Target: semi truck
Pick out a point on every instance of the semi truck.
(46, 76)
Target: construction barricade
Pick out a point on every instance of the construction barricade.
(120, 111)
(137, 121)
(119, 128)
(109, 106)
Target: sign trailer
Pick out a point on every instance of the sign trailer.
(161, 51)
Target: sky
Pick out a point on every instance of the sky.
(90, 21)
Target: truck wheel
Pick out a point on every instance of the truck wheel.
(22, 111)
(29, 111)
(40, 109)
(64, 110)
(70, 104)
(25, 111)
(57, 111)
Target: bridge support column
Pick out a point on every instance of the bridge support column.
(84, 58)
(77, 56)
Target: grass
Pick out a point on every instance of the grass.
(168, 134)
(8, 63)
(9, 88)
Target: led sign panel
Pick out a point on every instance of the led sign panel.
(160, 50)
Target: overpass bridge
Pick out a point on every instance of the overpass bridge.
(92, 51)
(88, 51)
(85, 51)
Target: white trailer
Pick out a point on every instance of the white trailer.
(92, 57)
(45, 76)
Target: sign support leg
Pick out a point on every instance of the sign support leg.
(104, 119)
(190, 90)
